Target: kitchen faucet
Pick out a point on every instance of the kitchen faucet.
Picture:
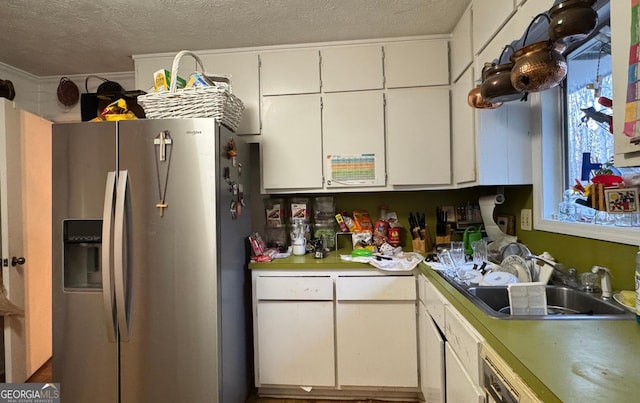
(605, 280)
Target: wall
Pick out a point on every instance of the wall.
(577, 252)
(38, 95)
(573, 251)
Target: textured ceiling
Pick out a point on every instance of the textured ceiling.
(49, 38)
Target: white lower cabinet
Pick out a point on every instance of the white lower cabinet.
(374, 329)
(450, 365)
(295, 323)
(460, 387)
(432, 365)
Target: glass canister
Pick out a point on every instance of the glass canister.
(274, 211)
(326, 229)
(323, 208)
(276, 237)
(300, 209)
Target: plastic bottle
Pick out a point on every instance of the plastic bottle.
(637, 277)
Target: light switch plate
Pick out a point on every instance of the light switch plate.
(525, 219)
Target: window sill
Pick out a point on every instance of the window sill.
(624, 235)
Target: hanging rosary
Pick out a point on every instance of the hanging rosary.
(162, 141)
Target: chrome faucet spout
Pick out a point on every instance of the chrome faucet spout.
(605, 280)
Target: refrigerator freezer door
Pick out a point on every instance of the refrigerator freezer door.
(172, 352)
(84, 360)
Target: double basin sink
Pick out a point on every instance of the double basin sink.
(562, 303)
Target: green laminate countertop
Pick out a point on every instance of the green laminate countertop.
(561, 360)
(308, 262)
(582, 360)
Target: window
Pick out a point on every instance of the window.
(588, 93)
(558, 159)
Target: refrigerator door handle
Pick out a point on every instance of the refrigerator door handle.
(120, 265)
(107, 290)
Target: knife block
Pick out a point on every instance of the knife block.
(444, 239)
(425, 244)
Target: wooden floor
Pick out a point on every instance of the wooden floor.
(44, 375)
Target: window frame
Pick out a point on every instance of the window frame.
(548, 183)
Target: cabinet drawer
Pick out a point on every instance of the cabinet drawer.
(434, 302)
(422, 281)
(294, 288)
(464, 341)
(397, 288)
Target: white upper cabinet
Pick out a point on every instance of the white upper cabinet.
(512, 30)
(488, 18)
(463, 134)
(146, 66)
(353, 139)
(504, 145)
(291, 142)
(461, 46)
(418, 136)
(290, 72)
(416, 63)
(352, 68)
(245, 81)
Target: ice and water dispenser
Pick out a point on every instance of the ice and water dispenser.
(82, 255)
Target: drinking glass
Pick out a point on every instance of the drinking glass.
(457, 252)
(480, 251)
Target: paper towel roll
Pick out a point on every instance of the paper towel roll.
(487, 206)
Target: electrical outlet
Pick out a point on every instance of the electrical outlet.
(525, 219)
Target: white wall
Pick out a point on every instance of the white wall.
(26, 86)
(38, 95)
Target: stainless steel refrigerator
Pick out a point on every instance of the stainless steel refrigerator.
(149, 258)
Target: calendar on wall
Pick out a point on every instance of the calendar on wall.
(351, 169)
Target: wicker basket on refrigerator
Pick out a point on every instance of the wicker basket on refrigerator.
(196, 102)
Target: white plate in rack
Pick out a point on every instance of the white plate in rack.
(517, 266)
(499, 278)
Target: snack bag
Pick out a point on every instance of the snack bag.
(362, 220)
(362, 240)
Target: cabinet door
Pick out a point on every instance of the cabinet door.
(353, 139)
(488, 18)
(295, 343)
(245, 81)
(352, 68)
(504, 145)
(370, 313)
(417, 63)
(419, 137)
(291, 142)
(463, 132)
(146, 66)
(435, 302)
(465, 341)
(294, 336)
(432, 366)
(290, 72)
(376, 343)
(459, 387)
(461, 47)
